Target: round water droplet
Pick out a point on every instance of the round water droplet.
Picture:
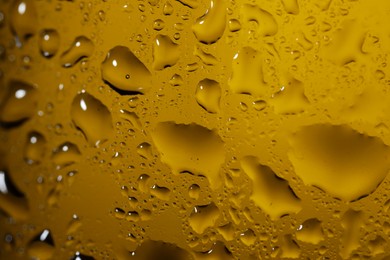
(158, 25)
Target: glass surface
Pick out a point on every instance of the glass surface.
(189, 129)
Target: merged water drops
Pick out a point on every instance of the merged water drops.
(194, 129)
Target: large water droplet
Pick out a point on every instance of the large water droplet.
(348, 164)
(265, 183)
(210, 27)
(192, 148)
(125, 72)
(92, 117)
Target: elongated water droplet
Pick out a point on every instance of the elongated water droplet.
(24, 18)
(92, 117)
(81, 47)
(210, 27)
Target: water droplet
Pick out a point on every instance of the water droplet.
(208, 95)
(35, 147)
(192, 148)
(81, 47)
(234, 25)
(290, 99)
(92, 117)
(145, 150)
(247, 76)
(20, 103)
(253, 13)
(310, 231)
(340, 155)
(203, 217)
(158, 24)
(248, 237)
(291, 6)
(119, 62)
(176, 80)
(166, 53)
(160, 192)
(49, 42)
(168, 8)
(24, 18)
(265, 182)
(42, 246)
(12, 200)
(194, 191)
(66, 154)
(259, 104)
(210, 27)
(119, 213)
